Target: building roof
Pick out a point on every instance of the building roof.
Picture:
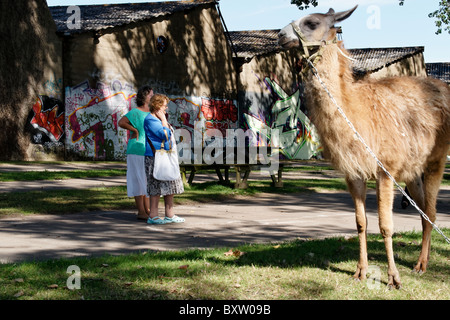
(374, 59)
(439, 70)
(98, 17)
(248, 44)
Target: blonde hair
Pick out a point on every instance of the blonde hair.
(157, 102)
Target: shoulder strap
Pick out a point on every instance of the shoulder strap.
(162, 143)
(167, 138)
(151, 145)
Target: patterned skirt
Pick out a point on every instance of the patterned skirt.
(157, 187)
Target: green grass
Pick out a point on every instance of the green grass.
(296, 270)
(300, 270)
(65, 201)
(115, 198)
(59, 175)
(210, 191)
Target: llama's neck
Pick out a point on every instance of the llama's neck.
(334, 70)
(335, 134)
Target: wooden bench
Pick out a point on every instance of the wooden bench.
(188, 171)
(242, 173)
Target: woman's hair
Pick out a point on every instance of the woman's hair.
(143, 92)
(157, 101)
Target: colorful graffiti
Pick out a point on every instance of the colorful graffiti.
(205, 121)
(200, 113)
(219, 114)
(48, 118)
(45, 125)
(53, 87)
(184, 113)
(297, 135)
(89, 120)
(92, 116)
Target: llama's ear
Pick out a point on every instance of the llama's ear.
(330, 12)
(340, 16)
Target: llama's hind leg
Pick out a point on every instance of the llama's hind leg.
(416, 190)
(432, 182)
(357, 189)
(385, 197)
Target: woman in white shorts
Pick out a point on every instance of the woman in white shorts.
(136, 176)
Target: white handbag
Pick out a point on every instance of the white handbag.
(166, 167)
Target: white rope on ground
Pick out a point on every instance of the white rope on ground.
(380, 164)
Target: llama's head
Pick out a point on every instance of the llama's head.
(313, 28)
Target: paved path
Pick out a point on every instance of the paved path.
(262, 218)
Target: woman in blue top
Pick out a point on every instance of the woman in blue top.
(156, 127)
(136, 177)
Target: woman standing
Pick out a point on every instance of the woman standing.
(157, 130)
(136, 177)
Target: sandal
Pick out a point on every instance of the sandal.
(143, 217)
(174, 219)
(156, 220)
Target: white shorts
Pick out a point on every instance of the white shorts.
(136, 177)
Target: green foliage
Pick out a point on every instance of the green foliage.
(304, 4)
(442, 16)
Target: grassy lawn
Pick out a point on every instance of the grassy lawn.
(296, 270)
(59, 175)
(115, 198)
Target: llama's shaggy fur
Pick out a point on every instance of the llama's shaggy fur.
(400, 118)
(404, 120)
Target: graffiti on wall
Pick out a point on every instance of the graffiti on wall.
(297, 135)
(53, 87)
(45, 123)
(92, 116)
(206, 121)
(201, 114)
(87, 124)
(219, 114)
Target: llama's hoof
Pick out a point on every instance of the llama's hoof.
(394, 282)
(420, 267)
(395, 286)
(360, 274)
(418, 271)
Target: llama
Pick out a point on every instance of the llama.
(405, 121)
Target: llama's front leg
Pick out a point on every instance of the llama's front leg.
(385, 197)
(357, 189)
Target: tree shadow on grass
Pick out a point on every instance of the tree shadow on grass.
(326, 254)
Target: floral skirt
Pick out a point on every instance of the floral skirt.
(157, 187)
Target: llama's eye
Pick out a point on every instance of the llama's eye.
(311, 24)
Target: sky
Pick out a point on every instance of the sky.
(374, 24)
